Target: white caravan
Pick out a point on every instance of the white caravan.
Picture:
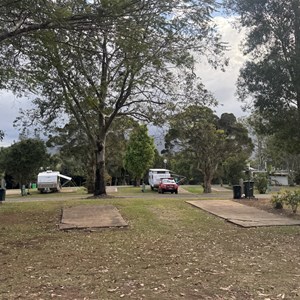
(49, 181)
(155, 175)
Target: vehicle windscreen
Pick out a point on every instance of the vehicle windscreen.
(168, 181)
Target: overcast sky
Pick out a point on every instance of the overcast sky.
(221, 84)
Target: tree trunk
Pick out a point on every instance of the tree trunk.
(209, 171)
(137, 181)
(296, 8)
(100, 186)
(91, 171)
(207, 184)
(23, 189)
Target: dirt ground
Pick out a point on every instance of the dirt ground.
(265, 204)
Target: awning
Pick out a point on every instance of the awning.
(64, 176)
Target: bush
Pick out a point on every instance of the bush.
(261, 183)
(293, 199)
(277, 201)
(290, 198)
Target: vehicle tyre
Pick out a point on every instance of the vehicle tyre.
(162, 191)
(176, 192)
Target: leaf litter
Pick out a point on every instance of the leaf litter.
(170, 251)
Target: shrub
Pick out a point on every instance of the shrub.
(290, 198)
(293, 199)
(277, 201)
(261, 183)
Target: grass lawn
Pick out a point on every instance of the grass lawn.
(196, 189)
(170, 250)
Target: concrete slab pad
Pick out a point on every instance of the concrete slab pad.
(242, 215)
(91, 216)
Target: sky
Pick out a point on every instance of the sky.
(221, 84)
(9, 110)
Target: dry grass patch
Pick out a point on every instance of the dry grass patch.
(170, 251)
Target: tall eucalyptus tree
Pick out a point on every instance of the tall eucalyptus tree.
(130, 64)
(207, 140)
(270, 79)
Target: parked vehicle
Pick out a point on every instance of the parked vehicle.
(155, 175)
(49, 181)
(168, 185)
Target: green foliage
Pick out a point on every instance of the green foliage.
(24, 159)
(271, 152)
(232, 170)
(116, 143)
(183, 164)
(3, 153)
(132, 58)
(140, 152)
(273, 46)
(207, 140)
(277, 201)
(38, 15)
(75, 155)
(290, 198)
(115, 152)
(158, 161)
(261, 183)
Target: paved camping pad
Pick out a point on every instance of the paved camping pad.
(91, 216)
(241, 214)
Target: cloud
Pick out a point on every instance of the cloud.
(222, 84)
(9, 110)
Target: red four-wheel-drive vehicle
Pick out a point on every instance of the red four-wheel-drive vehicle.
(168, 185)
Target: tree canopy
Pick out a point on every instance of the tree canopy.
(22, 17)
(140, 152)
(270, 80)
(207, 140)
(129, 65)
(24, 159)
(75, 155)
